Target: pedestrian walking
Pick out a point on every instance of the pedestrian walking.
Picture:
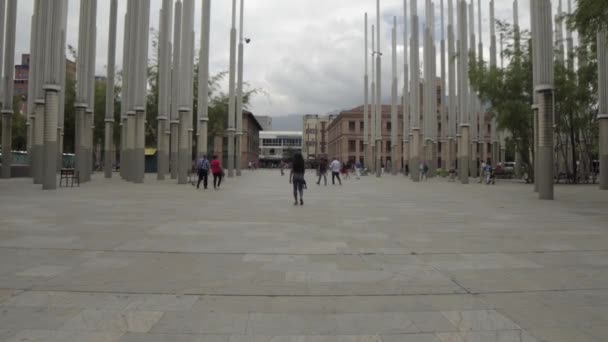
(482, 174)
(358, 167)
(218, 172)
(203, 172)
(345, 171)
(322, 171)
(296, 177)
(282, 167)
(424, 169)
(335, 166)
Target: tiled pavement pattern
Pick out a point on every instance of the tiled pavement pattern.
(371, 261)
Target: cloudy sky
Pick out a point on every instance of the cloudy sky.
(307, 55)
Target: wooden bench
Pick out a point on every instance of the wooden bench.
(69, 175)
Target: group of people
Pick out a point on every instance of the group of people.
(298, 166)
(204, 166)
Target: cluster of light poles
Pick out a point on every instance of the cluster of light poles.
(462, 112)
(461, 108)
(175, 129)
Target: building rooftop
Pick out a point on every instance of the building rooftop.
(282, 133)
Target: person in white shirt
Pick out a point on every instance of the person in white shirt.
(335, 167)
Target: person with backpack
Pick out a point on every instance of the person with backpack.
(203, 172)
(217, 171)
(296, 177)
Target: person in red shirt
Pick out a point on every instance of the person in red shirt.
(217, 171)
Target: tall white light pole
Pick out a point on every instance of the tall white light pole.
(463, 94)
(543, 87)
(405, 100)
(569, 41)
(185, 98)
(378, 95)
(175, 90)
(394, 114)
(109, 119)
(444, 107)
(52, 83)
(374, 108)
(415, 94)
(365, 100)
(452, 120)
(473, 104)
(203, 81)
(482, 120)
(494, 129)
(8, 90)
(231, 91)
(164, 98)
(239, 98)
(61, 114)
(602, 63)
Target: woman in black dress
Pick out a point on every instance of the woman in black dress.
(296, 177)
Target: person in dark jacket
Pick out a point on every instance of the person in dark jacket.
(296, 177)
(322, 171)
(203, 172)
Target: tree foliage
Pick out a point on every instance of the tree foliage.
(589, 17)
(510, 93)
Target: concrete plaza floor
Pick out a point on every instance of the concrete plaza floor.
(375, 260)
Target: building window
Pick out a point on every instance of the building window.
(351, 126)
(361, 145)
(361, 126)
(388, 147)
(388, 126)
(352, 146)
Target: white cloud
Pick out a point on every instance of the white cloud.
(306, 54)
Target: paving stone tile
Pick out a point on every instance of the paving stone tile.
(21, 318)
(6, 294)
(488, 336)
(5, 334)
(562, 335)
(375, 323)
(139, 337)
(162, 303)
(44, 299)
(63, 336)
(113, 321)
(431, 322)
(201, 323)
(481, 320)
(305, 338)
(43, 271)
(411, 338)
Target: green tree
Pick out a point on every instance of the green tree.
(19, 128)
(509, 91)
(589, 17)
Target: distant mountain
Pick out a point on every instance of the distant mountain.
(291, 122)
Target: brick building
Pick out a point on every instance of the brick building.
(250, 142)
(22, 72)
(315, 135)
(346, 136)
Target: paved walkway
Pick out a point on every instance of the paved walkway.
(372, 261)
